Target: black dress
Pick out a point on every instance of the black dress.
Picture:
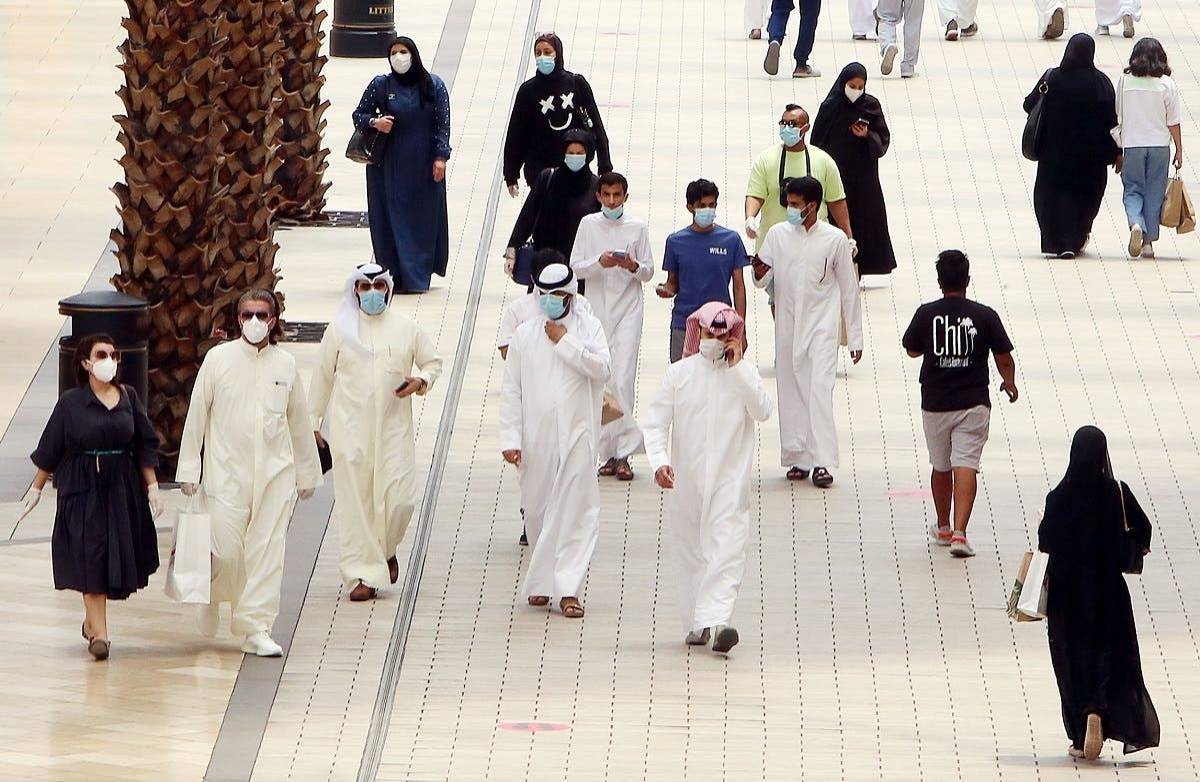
(1093, 639)
(1074, 148)
(559, 199)
(858, 164)
(104, 541)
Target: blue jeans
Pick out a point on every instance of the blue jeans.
(1144, 177)
(777, 25)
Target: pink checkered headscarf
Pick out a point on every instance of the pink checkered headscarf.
(716, 316)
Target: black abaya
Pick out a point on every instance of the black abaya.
(1074, 147)
(858, 163)
(1093, 639)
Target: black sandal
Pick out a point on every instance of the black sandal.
(821, 478)
(797, 474)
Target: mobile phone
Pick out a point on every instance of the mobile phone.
(402, 386)
(861, 121)
(620, 254)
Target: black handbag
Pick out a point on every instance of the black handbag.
(1132, 556)
(1033, 123)
(367, 145)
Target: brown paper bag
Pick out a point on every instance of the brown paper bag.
(611, 410)
(1177, 211)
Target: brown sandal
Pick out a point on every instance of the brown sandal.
(623, 471)
(608, 469)
(362, 593)
(797, 474)
(393, 570)
(539, 600)
(571, 608)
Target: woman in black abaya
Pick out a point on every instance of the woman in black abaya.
(1093, 641)
(856, 148)
(1074, 148)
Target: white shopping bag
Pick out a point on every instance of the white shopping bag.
(1032, 602)
(190, 568)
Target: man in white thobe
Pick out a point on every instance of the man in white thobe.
(958, 18)
(755, 17)
(612, 253)
(706, 410)
(372, 360)
(862, 18)
(815, 286)
(550, 404)
(1053, 17)
(249, 418)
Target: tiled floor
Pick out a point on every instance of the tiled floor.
(865, 655)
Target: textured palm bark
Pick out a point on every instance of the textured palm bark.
(301, 174)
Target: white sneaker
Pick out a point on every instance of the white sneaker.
(1147, 250)
(907, 71)
(1136, 240)
(208, 619)
(697, 638)
(1102, 29)
(261, 644)
(889, 57)
(940, 536)
(959, 547)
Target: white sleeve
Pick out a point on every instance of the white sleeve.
(508, 326)
(322, 376)
(847, 281)
(644, 256)
(753, 392)
(656, 424)
(1171, 98)
(766, 254)
(511, 410)
(587, 353)
(188, 469)
(585, 259)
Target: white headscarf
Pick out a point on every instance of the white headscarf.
(347, 316)
(556, 277)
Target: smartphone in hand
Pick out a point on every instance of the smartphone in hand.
(403, 386)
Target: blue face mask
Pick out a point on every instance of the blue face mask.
(705, 216)
(575, 162)
(554, 306)
(372, 302)
(796, 215)
(790, 136)
(545, 65)
(613, 214)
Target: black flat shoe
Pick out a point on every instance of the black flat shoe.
(821, 478)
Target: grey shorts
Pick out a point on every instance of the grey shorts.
(956, 438)
(677, 339)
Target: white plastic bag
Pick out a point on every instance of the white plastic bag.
(1032, 602)
(190, 568)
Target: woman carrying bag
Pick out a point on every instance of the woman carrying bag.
(1094, 531)
(406, 190)
(102, 450)
(1073, 148)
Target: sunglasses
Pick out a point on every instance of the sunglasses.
(102, 354)
(791, 123)
(246, 315)
(362, 286)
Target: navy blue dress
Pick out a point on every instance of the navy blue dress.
(406, 209)
(104, 541)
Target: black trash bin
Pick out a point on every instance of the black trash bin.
(362, 28)
(124, 318)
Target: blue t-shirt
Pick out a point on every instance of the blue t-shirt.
(704, 262)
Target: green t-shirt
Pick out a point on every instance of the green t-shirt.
(764, 182)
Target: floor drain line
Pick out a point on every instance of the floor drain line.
(460, 13)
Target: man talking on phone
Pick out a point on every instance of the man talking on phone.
(953, 336)
(372, 361)
(700, 435)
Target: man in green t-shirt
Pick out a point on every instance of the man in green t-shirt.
(789, 159)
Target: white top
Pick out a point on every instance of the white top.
(1146, 107)
(615, 293)
(527, 308)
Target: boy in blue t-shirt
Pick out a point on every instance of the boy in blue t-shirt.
(703, 262)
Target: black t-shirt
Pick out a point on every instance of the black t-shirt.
(955, 336)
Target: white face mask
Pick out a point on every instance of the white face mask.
(104, 370)
(401, 62)
(255, 331)
(854, 94)
(712, 349)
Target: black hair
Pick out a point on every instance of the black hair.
(613, 178)
(793, 107)
(83, 352)
(547, 256)
(579, 136)
(264, 295)
(701, 188)
(953, 270)
(1148, 58)
(808, 188)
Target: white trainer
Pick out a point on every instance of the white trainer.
(959, 547)
(208, 619)
(1136, 239)
(260, 644)
(888, 58)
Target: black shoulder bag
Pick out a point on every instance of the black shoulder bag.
(1033, 123)
(784, 180)
(367, 144)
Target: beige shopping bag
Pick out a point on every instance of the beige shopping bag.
(611, 410)
(1177, 211)
(1027, 601)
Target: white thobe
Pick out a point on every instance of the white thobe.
(617, 299)
(249, 418)
(862, 17)
(1109, 12)
(815, 287)
(755, 15)
(1045, 10)
(961, 11)
(709, 411)
(371, 436)
(550, 411)
(525, 308)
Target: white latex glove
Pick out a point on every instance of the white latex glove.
(853, 248)
(510, 263)
(157, 506)
(30, 501)
(752, 225)
(306, 494)
(189, 489)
